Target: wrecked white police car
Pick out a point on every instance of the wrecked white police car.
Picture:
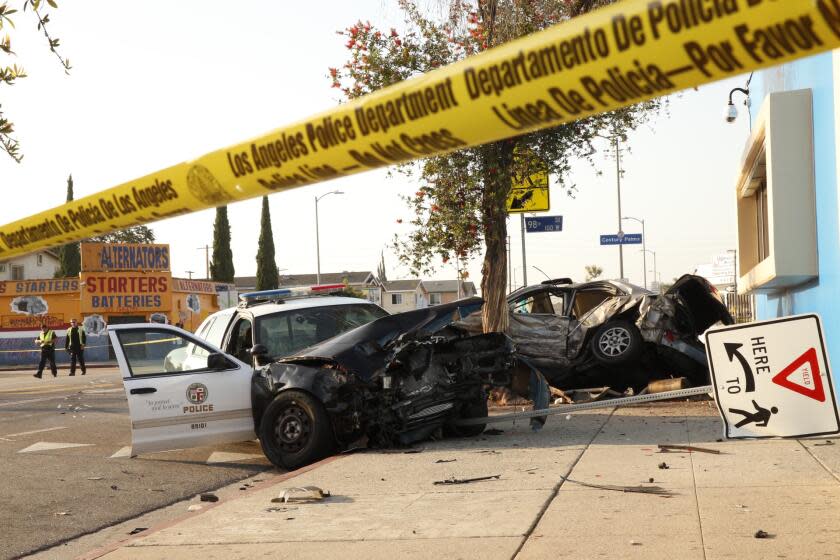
(396, 379)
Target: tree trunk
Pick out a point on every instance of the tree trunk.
(497, 160)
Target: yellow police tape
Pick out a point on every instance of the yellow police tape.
(616, 56)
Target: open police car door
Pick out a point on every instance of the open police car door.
(182, 392)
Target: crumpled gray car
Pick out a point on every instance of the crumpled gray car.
(611, 333)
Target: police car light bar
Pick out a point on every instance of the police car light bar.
(287, 293)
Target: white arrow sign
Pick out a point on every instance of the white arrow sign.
(773, 379)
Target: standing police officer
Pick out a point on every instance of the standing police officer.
(46, 341)
(75, 344)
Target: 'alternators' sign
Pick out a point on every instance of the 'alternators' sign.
(124, 257)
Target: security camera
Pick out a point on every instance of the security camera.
(731, 113)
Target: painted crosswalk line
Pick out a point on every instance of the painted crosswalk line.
(224, 457)
(123, 452)
(52, 446)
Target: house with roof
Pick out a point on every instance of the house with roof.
(34, 266)
(403, 295)
(446, 291)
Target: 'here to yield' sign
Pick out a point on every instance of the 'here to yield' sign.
(772, 379)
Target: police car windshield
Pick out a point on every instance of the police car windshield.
(287, 332)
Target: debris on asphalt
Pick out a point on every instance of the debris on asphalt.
(635, 543)
(656, 490)
(114, 487)
(762, 534)
(493, 432)
(650, 480)
(194, 507)
(663, 465)
(209, 497)
(95, 477)
(827, 442)
(453, 480)
(62, 513)
(446, 460)
(669, 448)
(274, 509)
(137, 530)
(302, 494)
(489, 451)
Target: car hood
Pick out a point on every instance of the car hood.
(366, 349)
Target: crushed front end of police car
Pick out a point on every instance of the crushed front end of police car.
(395, 381)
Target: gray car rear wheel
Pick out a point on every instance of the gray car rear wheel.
(616, 342)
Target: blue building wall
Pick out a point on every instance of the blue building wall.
(823, 294)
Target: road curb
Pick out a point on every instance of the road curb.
(274, 480)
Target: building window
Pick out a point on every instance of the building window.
(434, 299)
(3, 267)
(396, 299)
(762, 219)
(17, 272)
(40, 259)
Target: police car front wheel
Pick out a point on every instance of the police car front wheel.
(295, 430)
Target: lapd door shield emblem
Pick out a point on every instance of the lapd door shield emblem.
(197, 393)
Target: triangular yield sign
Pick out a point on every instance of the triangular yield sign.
(806, 364)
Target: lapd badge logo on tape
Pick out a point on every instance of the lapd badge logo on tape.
(773, 379)
(197, 393)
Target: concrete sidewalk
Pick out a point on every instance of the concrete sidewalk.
(559, 495)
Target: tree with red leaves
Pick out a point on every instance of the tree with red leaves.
(460, 207)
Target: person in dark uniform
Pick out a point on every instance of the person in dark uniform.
(46, 341)
(75, 344)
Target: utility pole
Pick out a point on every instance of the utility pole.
(189, 273)
(524, 265)
(206, 250)
(318, 235)
(618, 186)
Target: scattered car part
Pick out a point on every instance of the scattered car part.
(658, 490)
(454, 480)
(302, 494)
(209, 497)
(664, 385)
(666, 448)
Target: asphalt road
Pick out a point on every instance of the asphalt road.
(65, 470)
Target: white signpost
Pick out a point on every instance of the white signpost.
(772, 379)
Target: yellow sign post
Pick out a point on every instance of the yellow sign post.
(613, 57)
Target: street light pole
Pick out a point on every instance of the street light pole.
(618, 187)
(318, 235)
(644, 247)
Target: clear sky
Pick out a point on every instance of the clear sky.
(154, 83)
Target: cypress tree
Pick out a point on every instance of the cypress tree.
(267, 275)
(69, 256)
(221, 266)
